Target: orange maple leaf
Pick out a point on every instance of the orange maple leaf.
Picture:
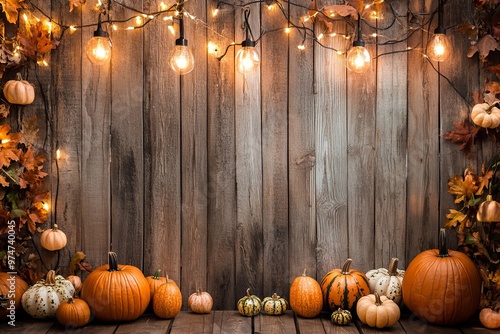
(75, 3)
(11, 7)
(8, 146)
(455, 218)
(38, 41)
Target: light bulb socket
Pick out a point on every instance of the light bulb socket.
(99, 31)
(358, 42)
(440, 30)
(248, 43)
(181, 41)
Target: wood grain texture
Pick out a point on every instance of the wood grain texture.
(221, 151)
(391, 146)
(162, 152)
(274, 157)
(423, 154)
(301, 157)
(248, 142)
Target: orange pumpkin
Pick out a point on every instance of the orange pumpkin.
(76, 281)
(13, 287)
(167, 300)
(442, 286)
(116, 292)
(155, 282)
(344, 287)
(489, 210)
(305, 296)
(73, 313)
(200, 302)
(489, 318)
(53, 239)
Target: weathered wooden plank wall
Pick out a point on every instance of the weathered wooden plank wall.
(225, 181)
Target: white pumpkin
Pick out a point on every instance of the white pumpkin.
(387, 282)
(43, 298)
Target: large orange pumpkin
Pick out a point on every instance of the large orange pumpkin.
(305, 296)
(116, 292)
(344, 287)
(13, 287)
(167, 301)
(442, 286)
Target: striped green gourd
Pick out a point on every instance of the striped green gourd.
(341, 317)
(249, 305)
(274, 305)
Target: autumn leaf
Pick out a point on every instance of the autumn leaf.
(11, 7)
(4, 110)
(29, 131)
(468, 30)
(484, 46)
(342, 10)
(38, 41)
(455, 218)
(8, 143)
(75, 3)
(463, 135)
(484, 181)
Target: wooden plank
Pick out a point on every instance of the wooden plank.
(97, 327)
(365, 329)
(95, 153)
(423, 167)
(249, 239)
(309, 325)
(146, 324)
(189, 322)
(331, 328)
(24, 324)
(330, 110)
(194, 158)
(361, 157)
(412, 324)
(282, 324)
(274, 72)
(302, 156)
(162, 123)
(228, 322)
(391, 146)
(127, 170)
(221, 188)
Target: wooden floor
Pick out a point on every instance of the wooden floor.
(232, 322)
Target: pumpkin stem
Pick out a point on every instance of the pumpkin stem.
(275, 296)
(71, 300)
(55, 227)
(51, 278)
(113, 262)
(304, 273)
(393, 266)
(248, 292)
(198, 292)
(157, 274)
(345, 267)
(378, 302)
(19, 76)
(443, 252)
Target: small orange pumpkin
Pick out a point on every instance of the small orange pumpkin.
(155, 282)
(200, 302)
(305, 296)
(53, 239)
(377, 311)
(344, 287)
(489, 318)
(489, 210)
(76, 281)
(19, 91)
(13, 287)
(73, 313)
(167, 300)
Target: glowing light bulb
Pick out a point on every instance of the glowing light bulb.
(212, 48)
(181, 58)
(287, 30)
(439, 47)
(45, 206)
(58, 154)
(98, 48)
(215, 12)
(247, 58)
(358, 59)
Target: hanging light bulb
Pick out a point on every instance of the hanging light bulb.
(439, 47)
(247, 58)
(181, 58)
(98, 48)
(358, 57)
